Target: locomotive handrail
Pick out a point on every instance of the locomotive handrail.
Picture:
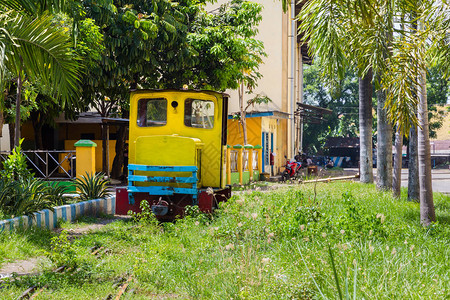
(142, 178)
(162, 190)
(162, 168)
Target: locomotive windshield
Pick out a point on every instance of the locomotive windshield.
(152, 112)
(199, 113)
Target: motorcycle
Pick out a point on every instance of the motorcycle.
(291, 169)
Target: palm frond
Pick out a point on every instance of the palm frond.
(92, 186)
(44, 53)
(33, 7)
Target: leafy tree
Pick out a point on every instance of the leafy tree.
(229, 55)
(160, 44)
(342, 100)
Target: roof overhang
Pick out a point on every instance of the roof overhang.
(91, 118)
(225, 95)
(274, 114)
(311, 114)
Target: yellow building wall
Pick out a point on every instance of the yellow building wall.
(236, 136)
(255, 127)
(443, 133)
(74, 131)
(278, 128)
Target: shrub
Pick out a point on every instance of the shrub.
(63, 252)
(146, 215)
(28, 196)
(56, 193)
(15, 166)
(91, 186)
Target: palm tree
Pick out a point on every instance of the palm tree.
(331, 26)
(32, 48)
(397, 177)
(413, 171)
(365, 128)
(384, 144)
(331, 30)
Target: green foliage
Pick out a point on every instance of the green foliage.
(92, 186)
(228, 52)
(21, 193)
(358, 223)
(15, 166)
(146, 216)
(41, 50)
(56, 193)
(26, 197)
(382, 36)
(192, 211)
(342, 100)
(62, 252)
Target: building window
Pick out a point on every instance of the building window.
(152, 112)
(199, 113)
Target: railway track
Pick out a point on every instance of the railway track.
(120, 287)
(33, 291)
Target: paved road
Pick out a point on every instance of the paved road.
(440, 177)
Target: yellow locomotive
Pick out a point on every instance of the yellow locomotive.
(177, 151)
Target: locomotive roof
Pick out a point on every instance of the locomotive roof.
(180, 90)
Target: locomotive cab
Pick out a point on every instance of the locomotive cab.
(177, 144)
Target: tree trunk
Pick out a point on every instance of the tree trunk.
(413, 171)
(244, 128)
(37, 122)
(18, 104)
(121, 138)
(242, 113)
(116, 170)
(2, 121)
(384, 145)
(12, 130)
(427, 214)
(104, 146)
(397, 179)
(365, 128)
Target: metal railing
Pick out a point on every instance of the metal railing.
(49, 164)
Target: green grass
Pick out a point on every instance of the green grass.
(260, 245)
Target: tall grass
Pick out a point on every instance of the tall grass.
(285, 244)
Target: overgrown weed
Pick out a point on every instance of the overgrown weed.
(275, 245)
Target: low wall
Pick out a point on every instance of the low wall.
(49, 219)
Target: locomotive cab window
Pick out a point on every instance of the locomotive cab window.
(199, 113)
(152, 112)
